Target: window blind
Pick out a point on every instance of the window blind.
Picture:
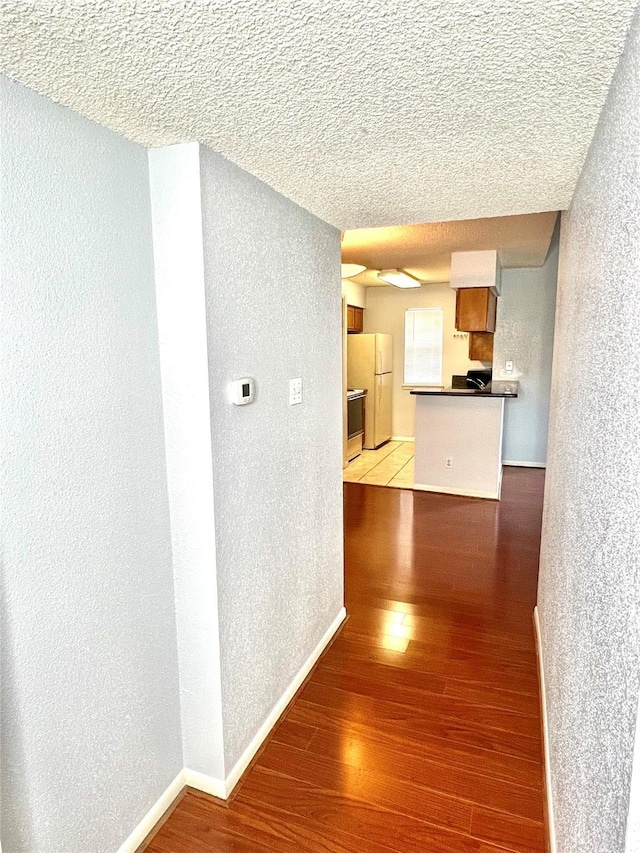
(423, 346)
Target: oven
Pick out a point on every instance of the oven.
(355, 421)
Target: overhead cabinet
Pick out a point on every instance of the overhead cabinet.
(475, 309)
(481, 346)
(355, 319)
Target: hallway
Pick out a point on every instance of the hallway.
(419, 729)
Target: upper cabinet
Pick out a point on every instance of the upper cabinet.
(481, 346)
(355, 319)
(475, 309)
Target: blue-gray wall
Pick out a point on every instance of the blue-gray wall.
(524, 335)
(589, 592)
(90, 705)
(273, 312)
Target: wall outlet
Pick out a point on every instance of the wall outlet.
(509, 367)
(295, 391)
(448, 462)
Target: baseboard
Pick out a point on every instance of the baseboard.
(515, 464)
(154, 815)
(208, 784)
(446, 490)
(548, 791)
(216, 787)
(245, 759)
(403, 438)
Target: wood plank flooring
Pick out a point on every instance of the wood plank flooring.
(419, 729)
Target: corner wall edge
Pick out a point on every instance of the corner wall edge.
(548, 790)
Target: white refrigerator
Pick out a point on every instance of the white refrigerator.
(369, 366)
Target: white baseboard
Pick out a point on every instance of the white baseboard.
(208, 784)
(515, 464)
(447, 490)
(246, 757)
(403, 438)
(545, 736)
(154, 814)
(217, 787)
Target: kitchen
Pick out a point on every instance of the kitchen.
(463, 299)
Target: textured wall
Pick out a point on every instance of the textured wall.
(179, 269)
(90, 713)
(364, 112)
(273, 310)
(385, 313)
(633, 818)
(524, 335)
(589, 594)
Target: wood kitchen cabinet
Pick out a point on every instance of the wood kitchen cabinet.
(475, 309)
(355, 319)
(481, 346)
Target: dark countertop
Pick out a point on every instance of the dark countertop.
(493, 389)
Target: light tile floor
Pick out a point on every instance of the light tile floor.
(389, 465)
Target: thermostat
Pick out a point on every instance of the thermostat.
(242, 391)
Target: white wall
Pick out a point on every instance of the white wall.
(90, 709)
(354, 293)
(589, 590)
(468, 430)
(179, 269)
(524, 335)
(273, 313)
(385, 313)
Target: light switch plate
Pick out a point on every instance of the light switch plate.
(509, 366)
(295, 391)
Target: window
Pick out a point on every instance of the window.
(423, 346)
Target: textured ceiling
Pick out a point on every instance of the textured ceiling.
(365, 112)
(425, 250)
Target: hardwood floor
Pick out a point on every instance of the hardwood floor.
(419, 729)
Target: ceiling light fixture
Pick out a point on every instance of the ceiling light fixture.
(398, 278)
(349, 270)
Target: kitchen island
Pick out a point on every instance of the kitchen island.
(459, 439)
